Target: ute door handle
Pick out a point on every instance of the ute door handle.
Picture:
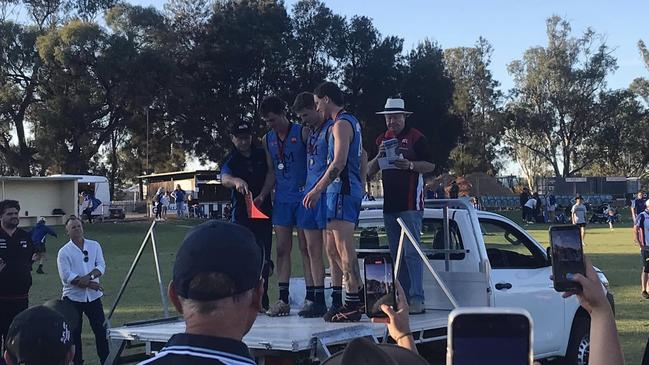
(502, 286)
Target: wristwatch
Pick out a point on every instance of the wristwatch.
(92, 277)
(411, 166)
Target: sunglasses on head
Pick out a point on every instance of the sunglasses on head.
(85, 256)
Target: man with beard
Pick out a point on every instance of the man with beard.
(17, 254)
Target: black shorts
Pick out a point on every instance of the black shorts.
(40, 248)
(645, 260)
(581, 225)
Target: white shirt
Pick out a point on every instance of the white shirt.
(70, 261)
(531, 203)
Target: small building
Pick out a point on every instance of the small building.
(52, 197)
(203, 185)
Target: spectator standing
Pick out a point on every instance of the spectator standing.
(638, 205)
(439, 192)
(166, 201)
(81, 263)
(641, 235)
(552, 207)
(523, 198)
(454, 191)
(17, 254)
(157, 203)
(403, 195)
(38, 234)
(579, 216)
(218, 295)
(227, 211)
(179, 198)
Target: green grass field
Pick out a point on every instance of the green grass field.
(613, 252)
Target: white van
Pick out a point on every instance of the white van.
(98, 187)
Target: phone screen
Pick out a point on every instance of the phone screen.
(379, 285)
(480, 338)
(567, 256)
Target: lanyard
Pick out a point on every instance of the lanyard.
(281, 143)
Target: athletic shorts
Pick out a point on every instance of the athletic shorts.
(645, 260)
(316, 218)
(288, 214)
(581, 225)
(40, 247)
(343, 208)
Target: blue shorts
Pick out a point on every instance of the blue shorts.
(316, 218)
(288, 214)
(343, 207)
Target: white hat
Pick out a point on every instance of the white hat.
(41, 219)
(394, 106)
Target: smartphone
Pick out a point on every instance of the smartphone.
(486, 335)
(567, 256)
(379, 285)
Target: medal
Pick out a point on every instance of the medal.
(280, 166)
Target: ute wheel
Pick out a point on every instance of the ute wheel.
(579, 344)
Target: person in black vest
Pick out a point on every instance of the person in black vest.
(17, 254)
(244, 171)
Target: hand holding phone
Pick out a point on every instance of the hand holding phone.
(397, 320)
(487, 335)
(567, 257)
(592, 295)
(379, 285)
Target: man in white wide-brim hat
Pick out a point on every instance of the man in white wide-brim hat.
(403, 191)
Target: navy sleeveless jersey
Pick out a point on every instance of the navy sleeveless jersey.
(317, 152)
(289, 161)
(349, 180)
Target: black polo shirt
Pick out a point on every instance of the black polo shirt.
(16, 251)
(403, 190)
(184, 348)
(253, 171)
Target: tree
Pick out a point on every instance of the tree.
(19, 76)
(477, 101)
(20, 68)
(316, 37)
(372, 71)
(561, 105)
(627, 152)
(428, 92)
(242, 56)
(640, 85)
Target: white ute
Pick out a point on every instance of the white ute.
(482, 258)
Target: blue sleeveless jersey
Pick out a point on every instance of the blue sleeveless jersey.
(316, 153)
(349, 180)
(290, 168)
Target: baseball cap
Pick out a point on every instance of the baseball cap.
(39, 335)
(363, 351)
(217, 247)
(241, 128)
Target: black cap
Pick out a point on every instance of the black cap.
(39, 335)
(241, 128)
(218, 247)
